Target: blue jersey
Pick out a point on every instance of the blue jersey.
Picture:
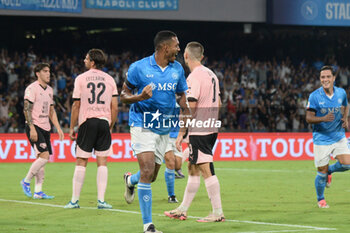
(156, 112)
(175, 129)
(326, 133)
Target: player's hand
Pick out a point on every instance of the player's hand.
(345, 124)
(329, 117)
(33, 134)
(178, 143)
(146, 92)
(72, 135)
(60, 134)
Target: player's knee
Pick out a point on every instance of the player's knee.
(147, 174)
(44, 155)
(82, 162)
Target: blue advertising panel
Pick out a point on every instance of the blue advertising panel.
(309, 12)
(143, 5)
(69, 6)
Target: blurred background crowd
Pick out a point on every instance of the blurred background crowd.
(265, 78)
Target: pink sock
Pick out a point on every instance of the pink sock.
(213, 189)
(39, 180)
(102, 177)
(34, 169)
(78, 181)
(193, 184)
(185, 154)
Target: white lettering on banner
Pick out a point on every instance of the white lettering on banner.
(215, 146)
(240, 146)
(119, 154)
(61, 144)
(291, 146)
(337, 11)
(274, 148)
(128, 149)
(263, 142)
(3, 154)
(72, 149)
(32, 153)
(20, 149)
(307, 148)
(224, 148)
(12, 3)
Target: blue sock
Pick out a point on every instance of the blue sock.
(336, 167)
(145, 199)
(134, 179)
(320, 184)
(170, 181)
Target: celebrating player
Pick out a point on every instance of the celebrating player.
(327, 111)
(155, 79)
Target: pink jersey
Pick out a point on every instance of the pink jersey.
(41, 99)
(95, 90)
(203, 85)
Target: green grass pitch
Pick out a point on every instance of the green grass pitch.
(269, 196)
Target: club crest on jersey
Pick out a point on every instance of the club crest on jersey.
(175, 76)
(43, 145)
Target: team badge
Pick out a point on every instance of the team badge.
(43, 145)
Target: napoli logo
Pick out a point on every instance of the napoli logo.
(309, 10)
(153, 86)
(323, 110)
(175, 76)
(146, 198)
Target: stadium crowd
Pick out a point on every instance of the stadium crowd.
(257, 96)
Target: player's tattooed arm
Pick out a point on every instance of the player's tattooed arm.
(27, 110)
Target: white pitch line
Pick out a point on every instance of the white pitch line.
(278, 231)
(308, 228)
(262, 170)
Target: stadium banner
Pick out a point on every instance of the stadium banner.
(309, 12)
(228, 147)
(135, 5)
(67, 6)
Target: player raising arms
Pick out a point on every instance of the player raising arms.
(327, 111)
(204, 100)
(155, 80)
(95, 108)
(38, 110)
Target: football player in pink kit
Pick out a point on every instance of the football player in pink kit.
(38, 111)
(204, 100)
(95, 109)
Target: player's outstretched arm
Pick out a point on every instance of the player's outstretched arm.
(311, 117)
(54, 120)
(128, 98)
(114, 111)
(74, 118)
